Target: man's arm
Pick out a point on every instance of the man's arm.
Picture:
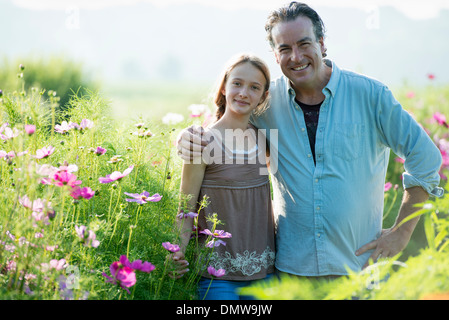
(394, 240)
(190, 143)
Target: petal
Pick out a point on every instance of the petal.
(106, 179)
(127, 171)
(134, 195)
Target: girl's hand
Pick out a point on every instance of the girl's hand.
(181, 265)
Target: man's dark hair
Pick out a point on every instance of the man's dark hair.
(289, 13)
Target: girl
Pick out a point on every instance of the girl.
(237, 191)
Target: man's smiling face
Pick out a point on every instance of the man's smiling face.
(298, 52)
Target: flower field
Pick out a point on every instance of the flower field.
(88, 206)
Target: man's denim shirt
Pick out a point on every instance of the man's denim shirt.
(325, 212)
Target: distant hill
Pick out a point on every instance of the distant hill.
(191, 42)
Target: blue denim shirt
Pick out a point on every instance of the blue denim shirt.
(325, 212)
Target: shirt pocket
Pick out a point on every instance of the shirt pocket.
(349, 140)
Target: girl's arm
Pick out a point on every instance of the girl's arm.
(191, 180)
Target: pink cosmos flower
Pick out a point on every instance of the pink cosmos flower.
(58, 264)
(137, 265)
(37, 205)
(216, 273)
(170, 247)
(125, 277)
(86, 124)
(182, 215)
(387, 186)
(217, 233)
(116, 175)
(85, 193)
(100, 151)
(44, 152)
(143, 198)
(441, 119)
(215, 243)
(216, 236)
(3, 126)
(40, 217)
(63, 128)
(410, 94)
(30, 129)
(8, 133)
(65, 178)
(123, 272)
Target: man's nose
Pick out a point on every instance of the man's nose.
(297, 55)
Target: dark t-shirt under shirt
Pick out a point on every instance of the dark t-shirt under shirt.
(311, 115)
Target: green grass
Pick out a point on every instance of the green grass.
(130, 100)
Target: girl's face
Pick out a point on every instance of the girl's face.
(244, 89)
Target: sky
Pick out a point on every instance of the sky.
(415, 9)
(190, 40)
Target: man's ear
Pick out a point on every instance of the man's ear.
(322, 47)
(276, 56)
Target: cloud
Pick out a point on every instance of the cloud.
(414, 9)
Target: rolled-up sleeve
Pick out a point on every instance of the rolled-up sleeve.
(408, 139)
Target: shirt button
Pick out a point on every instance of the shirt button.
(319, 235)
(309, 155)
(316, 180)
(318, 208)
(303, 129)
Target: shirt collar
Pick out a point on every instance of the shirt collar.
(332, 85)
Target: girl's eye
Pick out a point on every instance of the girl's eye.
(255, 88)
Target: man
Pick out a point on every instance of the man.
(335, 131)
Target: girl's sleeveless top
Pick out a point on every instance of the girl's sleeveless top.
(238, 191)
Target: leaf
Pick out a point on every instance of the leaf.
(430, 232)
(412, 216)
